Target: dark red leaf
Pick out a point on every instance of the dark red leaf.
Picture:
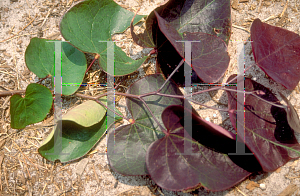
(210, 59)
(208, 166)
(267, 132)
(212, 17)
(277, 52)
(187, 16)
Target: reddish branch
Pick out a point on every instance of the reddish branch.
(140, 97)
(95, 58)
(10, 93)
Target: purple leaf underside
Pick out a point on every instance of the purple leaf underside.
(267, 132)
(207, 166)
(277, 52)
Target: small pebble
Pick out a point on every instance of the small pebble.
(262, 186)
(207, 118)
(254, 78)
(214, 115)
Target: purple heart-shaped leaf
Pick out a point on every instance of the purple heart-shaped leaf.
(172, 168)
(267, 132)
(209, 56)
(277, 52)
(188, 18)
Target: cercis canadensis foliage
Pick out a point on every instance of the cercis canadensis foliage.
(154, 141)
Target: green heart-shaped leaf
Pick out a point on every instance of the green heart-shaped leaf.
(33, 108)
(78, 135)
(39, 58)
(90, 23)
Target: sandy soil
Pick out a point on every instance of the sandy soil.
(25, 172)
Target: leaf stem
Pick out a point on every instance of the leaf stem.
(95, 58)
(167, 80)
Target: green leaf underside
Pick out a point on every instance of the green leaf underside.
(86, 114)
(89, 24)
(33, 108)
(127, 145)
(76, 140)
(40, 59)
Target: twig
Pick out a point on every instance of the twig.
(238, 27)
(44, 189)
(49, 12)
(240, 191)
(270, 18)
(286, 4)
(20, 30)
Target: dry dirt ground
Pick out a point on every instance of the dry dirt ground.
(25, 172)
